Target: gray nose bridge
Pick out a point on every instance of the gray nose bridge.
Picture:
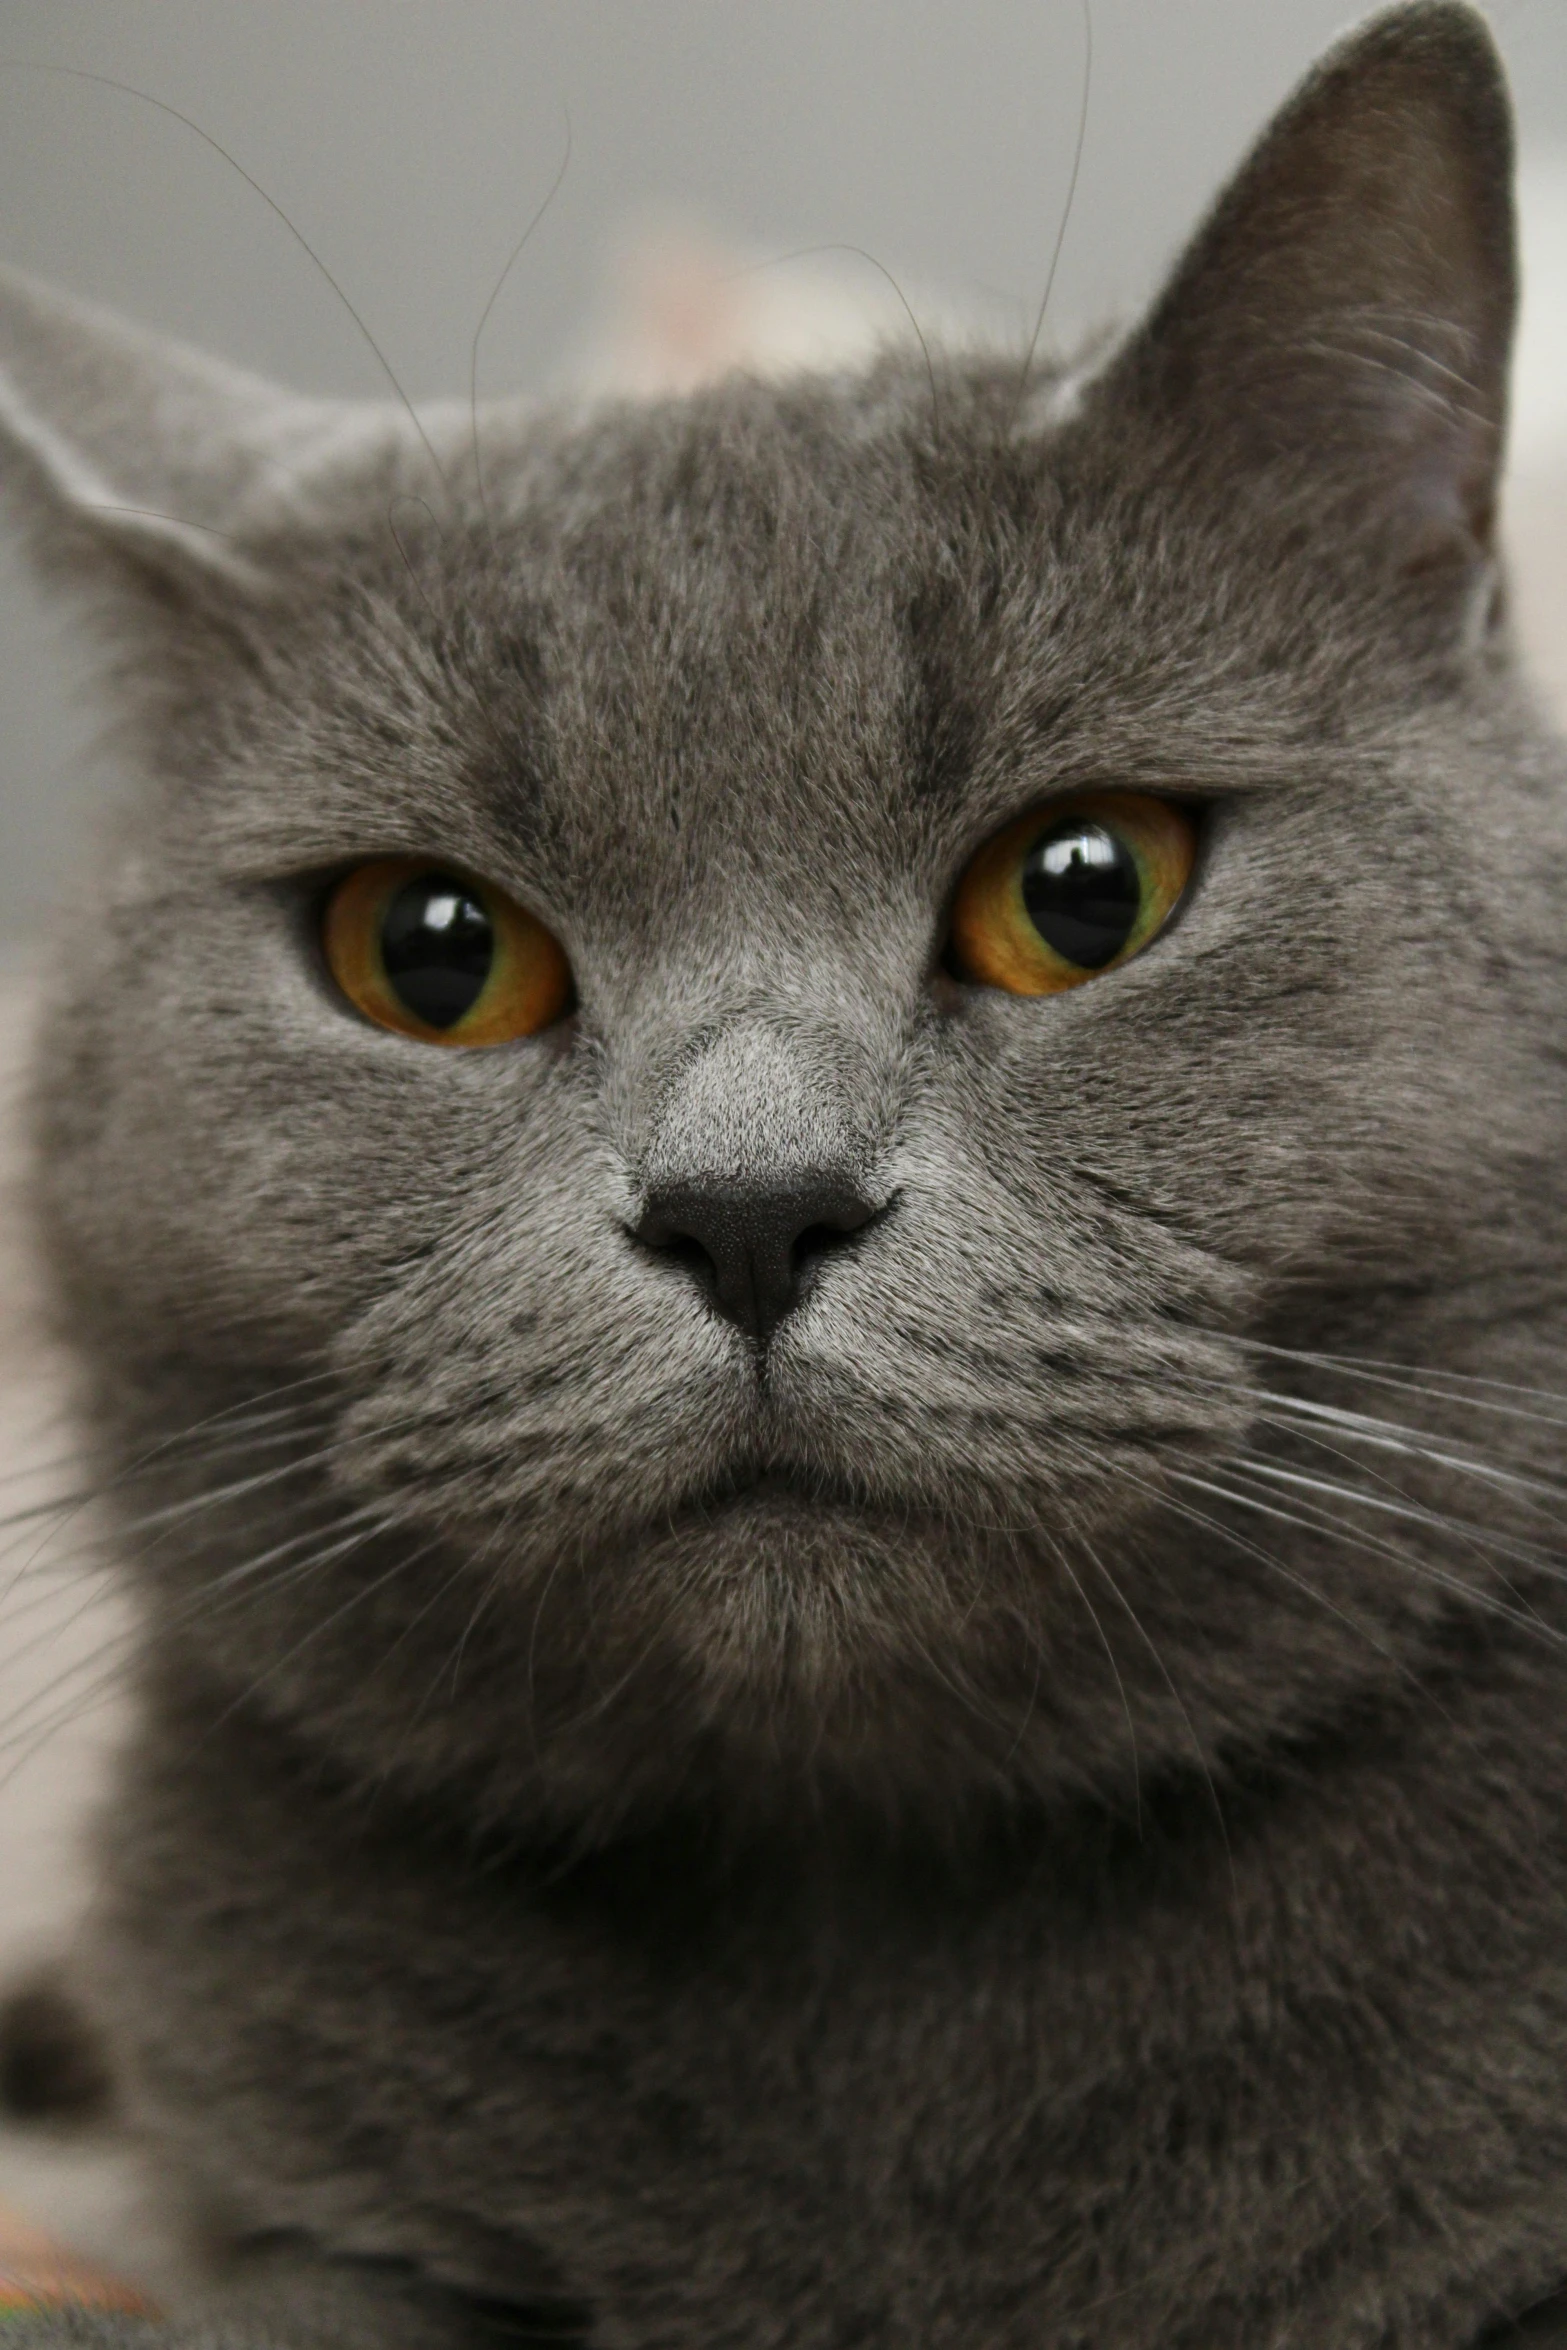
(756, 1170)
(754, 1104)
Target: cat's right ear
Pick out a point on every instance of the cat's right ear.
(140, 470)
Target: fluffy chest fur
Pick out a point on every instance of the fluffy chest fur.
(1109, 2085)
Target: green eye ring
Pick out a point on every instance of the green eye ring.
(439, 955)
(1070, 891)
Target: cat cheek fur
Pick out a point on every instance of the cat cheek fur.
(670, 1759)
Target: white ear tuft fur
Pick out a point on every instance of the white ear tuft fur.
(116, 440)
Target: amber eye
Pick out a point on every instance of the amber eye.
(1070, 891)
(440, 956)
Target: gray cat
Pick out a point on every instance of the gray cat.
(807, 1164)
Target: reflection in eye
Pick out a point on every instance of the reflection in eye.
(442, 958)
(1082, 892)
(1061, 896)
(438, 949)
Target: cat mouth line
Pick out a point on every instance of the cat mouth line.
(762, 1488)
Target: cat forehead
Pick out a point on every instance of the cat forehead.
(820, 603)
(831, 502)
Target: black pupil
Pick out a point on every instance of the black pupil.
(1083, 892)
(437, 944)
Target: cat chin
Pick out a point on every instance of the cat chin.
(781, 1644)
(773, 1652)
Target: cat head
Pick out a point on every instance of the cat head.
(720, 1027)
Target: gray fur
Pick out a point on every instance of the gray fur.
(846, 1843)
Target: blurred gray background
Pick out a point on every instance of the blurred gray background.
(410, 140)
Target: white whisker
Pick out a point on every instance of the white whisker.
(1324, 1524)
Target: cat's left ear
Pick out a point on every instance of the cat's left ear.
(1336, 338)
(142, 470)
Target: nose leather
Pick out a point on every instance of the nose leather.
(751, 1246)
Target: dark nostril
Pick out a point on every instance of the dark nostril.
(684, 1250)
(751, 1246)
(817, 1239)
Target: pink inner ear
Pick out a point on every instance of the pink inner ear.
(1449, 493)
(1408, 386)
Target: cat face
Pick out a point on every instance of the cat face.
(792, 1357)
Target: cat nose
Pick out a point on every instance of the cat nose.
(752, 1246)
